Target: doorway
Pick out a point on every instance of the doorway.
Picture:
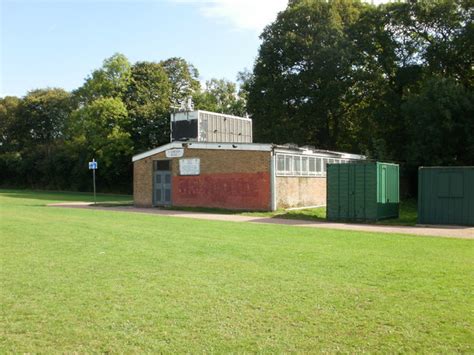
(162, 183)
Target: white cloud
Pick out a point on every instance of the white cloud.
(245, 14)
(241, 14)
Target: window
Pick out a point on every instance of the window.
(312, 166)
(297, 165)
(319, 168)
(162, 165)
(302, 165)
(280, 163)
(288, 164)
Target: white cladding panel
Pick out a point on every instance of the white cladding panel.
(215, 127)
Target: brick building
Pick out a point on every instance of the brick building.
(200, 172)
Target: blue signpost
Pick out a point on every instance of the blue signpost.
(93, 167)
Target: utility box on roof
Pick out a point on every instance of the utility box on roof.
(203, 126)
(446, 195)
(362, 191)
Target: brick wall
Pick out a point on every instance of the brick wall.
(233, 179)
(300, 191)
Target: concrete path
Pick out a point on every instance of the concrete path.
(435, 231)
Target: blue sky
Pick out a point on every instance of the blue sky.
(57, 43)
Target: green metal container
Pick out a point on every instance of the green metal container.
(362, 191)
(446, 195)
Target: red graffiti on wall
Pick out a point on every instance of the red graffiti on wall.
(233, 191)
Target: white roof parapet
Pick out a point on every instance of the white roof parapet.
(247, 147)
(197, 145)
(318, 152)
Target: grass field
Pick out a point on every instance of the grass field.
(407, 217)
(76, 280)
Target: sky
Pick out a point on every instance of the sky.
(57, 43)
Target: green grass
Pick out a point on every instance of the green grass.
(77, 280)
(408, 213)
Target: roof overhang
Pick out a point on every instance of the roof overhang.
(198, 145)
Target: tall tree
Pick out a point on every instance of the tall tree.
(148, 103)
(303, 74)
(98, 131)
(183, 77)
(111, 80)
(440, 124)
(8, 119)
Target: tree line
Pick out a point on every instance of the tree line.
(49, 135)
(394, 82)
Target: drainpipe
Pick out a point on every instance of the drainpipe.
(273, 180)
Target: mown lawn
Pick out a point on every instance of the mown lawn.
(407, 217)
(76, 280)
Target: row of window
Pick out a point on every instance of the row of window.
(298, 165)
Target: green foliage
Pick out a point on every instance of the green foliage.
(440, 122)
(111, 80)
(8, 120)
(33, 132)
(341, 75)
(148, 102)
(76, 280)
(393, 81)
(221, 95)
(302, 74)
(183, 77)
(98, 131)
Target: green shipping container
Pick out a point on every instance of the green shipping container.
(446, 195)
(362, 191)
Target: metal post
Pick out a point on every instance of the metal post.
(93, 180)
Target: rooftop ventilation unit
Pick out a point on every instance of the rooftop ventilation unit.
(203, 126)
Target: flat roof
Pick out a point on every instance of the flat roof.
(264, 147)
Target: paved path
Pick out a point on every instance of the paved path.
(435, 231)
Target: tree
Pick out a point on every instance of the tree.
(8, 119)
(440, 124)
(183, 78)
(111, 80)
(32, 130)
(303, 74)
(97, 131)
(221, 95)
(42, 116)
(148, 103)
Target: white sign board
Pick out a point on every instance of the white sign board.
(189, 166)
(174, 153)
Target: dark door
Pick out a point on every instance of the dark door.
(162, 184)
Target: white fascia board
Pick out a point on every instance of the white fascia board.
(328, 154)
(306, 152)
(197, 145)
(157, 150)
(353, 156)
(231, 146)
